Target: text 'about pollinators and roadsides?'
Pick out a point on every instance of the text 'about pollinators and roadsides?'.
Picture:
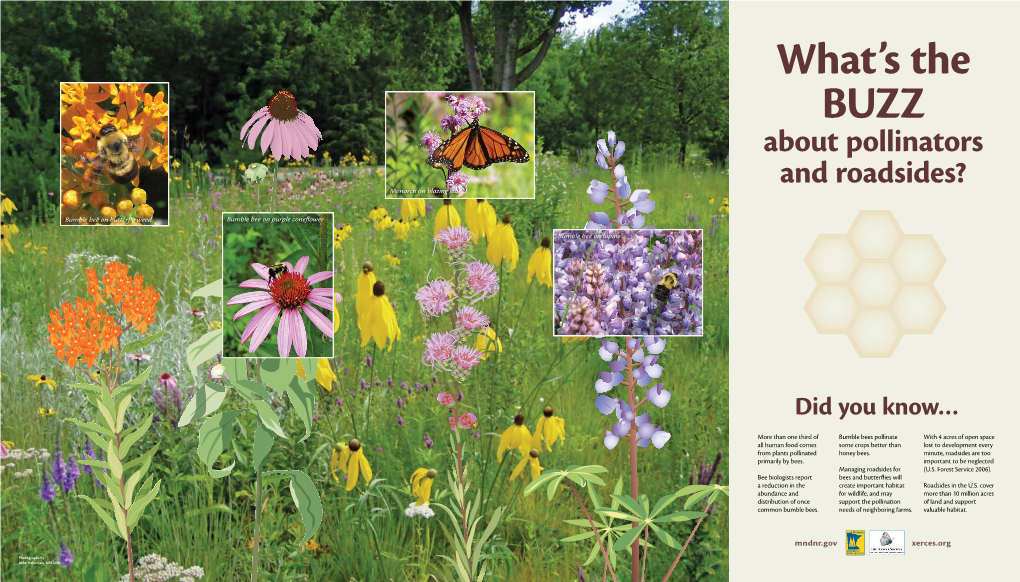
(895, 154)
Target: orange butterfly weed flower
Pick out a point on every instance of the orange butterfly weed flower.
(84, 329)
(128, 94)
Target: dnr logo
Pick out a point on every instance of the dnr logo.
(854, 544)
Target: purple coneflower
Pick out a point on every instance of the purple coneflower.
(167, 395)
(138, 357)
(197, 312)
(289, 295)
(289, 132)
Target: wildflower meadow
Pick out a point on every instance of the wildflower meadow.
(384, 393)
(454, 373)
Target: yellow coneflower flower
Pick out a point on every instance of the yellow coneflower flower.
(350, 459)
(540, 264)
(324, 375)
(393, 259)
(46, 411)
(205, 167)
(8, 445)
(8, 228)
(6, 204)
(550, 429)
(401, 229)
(725, 205)
(377, 214)
(447, 216)
(366, 280)
(384, 223)
(42, 379)
(341, 234)
(503, 245)
(412, 208)
(480, 217)
(529, 457)
(515, 437)
(336, 315)
(488, 342)
(215, 324)
(421, 485)
(379, 321)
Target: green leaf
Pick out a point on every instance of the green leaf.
(617, 514)
(269, 418)
(140, 460)
(213, 439)
(118, 514)
(590, 469)
(122, 407)
(302, 399)
(133, 382)
(92, 426)
(136, 509)
(207, 400)
(277, 372)
(249, 387)
(94, 464)
(698, 497)
(132, 482)
(214, 289)
(306, 498)
(112, 457)
(103, 513)
(543, 478)
(578, 537)
(627, 538)
(139, 344)
(236, 368)
(263, 444)
(632, 505)
(679, 516)
(665, 537)
(662, 503)
(493, 522)
(129, 438)
(554, 486)
(692, 489)
(205, 348)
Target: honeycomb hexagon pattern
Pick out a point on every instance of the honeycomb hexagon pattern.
(875, 284)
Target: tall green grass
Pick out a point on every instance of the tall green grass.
(365, 535)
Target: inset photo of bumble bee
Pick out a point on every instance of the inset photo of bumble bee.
(626, 282)
(278, 285)
(114, 156)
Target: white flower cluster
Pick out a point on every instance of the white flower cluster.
(415, 510)
(156, 568)
(27, 454)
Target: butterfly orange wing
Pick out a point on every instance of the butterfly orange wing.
(477, 148)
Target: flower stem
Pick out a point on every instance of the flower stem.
(605, 553)
(521, 310)
(258, 518)
(677, 560)
(635, 547)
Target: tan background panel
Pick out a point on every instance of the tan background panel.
(778, 355)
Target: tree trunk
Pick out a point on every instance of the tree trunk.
(467, 34)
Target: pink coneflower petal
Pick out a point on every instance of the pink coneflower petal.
(251, 307)
(285, 333)
(256, 129)
(320, 320)
(302, 263)
(297, 330)
(260, 326)
(309, 125)
(323, 300)
(248, 297)
(267, 136)
(255, 284)
(290, 267)
(319, 277)
(259, 115)
(262, 270)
